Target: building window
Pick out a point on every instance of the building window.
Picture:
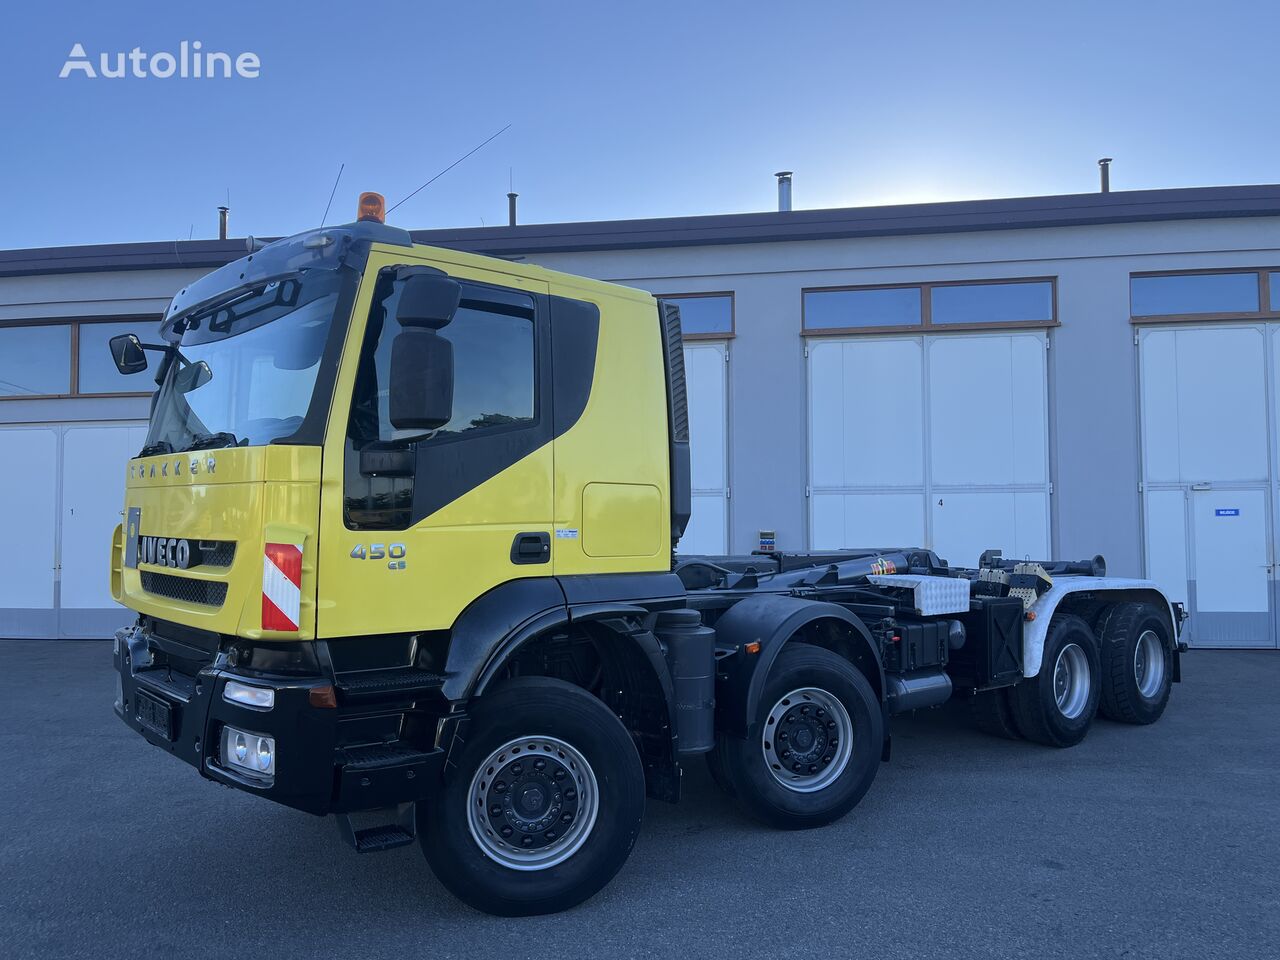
(96, 371)
(67, 359)
(981, 303)
(977, 303)
(868, 307)
(704, 315)
(35, 361)
(1190, 294)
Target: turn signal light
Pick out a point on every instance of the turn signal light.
(323, 697)
(373, 206)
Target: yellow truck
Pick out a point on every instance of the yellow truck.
(401, 543)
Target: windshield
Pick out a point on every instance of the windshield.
(246, 368)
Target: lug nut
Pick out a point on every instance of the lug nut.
(539, 764)
(500, 786)
(570, 793)
(566, 818)
(516, 769)
(496, 810)
(559, 774)
(831, 724)
(795, 767)
(526, 841)
(813, 768)
(782, 735)
(820, 713)
(804, 711)
(550, 834)
(785, 754)
(506, 831)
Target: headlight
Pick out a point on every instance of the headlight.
(262, 698)
(254, 754)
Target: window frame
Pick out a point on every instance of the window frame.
(702, 294)
(75, 323)
(926, 323)
(1263, 275)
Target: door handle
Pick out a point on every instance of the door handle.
(531, 548)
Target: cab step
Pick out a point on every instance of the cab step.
(384, 774)
(400, 832)
(384, 684)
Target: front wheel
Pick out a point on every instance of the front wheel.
(543, 806)
(816, 744)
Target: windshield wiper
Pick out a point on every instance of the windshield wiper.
(152, 449)
(205, 441)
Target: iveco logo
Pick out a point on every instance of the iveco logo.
(164, 552)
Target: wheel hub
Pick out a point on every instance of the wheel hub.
(1148, 664)
(1071, 681)
(807, 739)
(533, 803)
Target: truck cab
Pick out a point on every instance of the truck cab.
(401, 545)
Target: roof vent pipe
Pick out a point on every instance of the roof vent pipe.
(222, 222)
(511, 209)
(784, 190)
(1104, 168)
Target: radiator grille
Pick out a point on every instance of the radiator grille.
(205, 592)
(217, 553)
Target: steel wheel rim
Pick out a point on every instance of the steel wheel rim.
(1071, 681)
(811, 730)
(1148, 664)
(537, 787)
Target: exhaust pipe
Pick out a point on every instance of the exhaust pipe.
(222, 222)
(511, 209)
(1104, 170)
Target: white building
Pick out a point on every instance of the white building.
(1051, 376)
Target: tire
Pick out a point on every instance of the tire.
(993, 714)
(808, 689)
(1137, 663)
(1043, 710)
(578, 741)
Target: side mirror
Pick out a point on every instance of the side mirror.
(421, 380)
(192, 377)
(127, 352)
(428, 301)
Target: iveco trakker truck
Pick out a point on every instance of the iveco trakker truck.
(401, 545)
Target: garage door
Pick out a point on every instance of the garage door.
(1209, 496)
(706, 377)
(939, 441)
(69, 483)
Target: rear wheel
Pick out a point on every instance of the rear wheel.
(816, 746)
(1056, 707)
(993, 714)
(544, 803)
(1137, 663)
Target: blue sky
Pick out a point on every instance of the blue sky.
(618, 110)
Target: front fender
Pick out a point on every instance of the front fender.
(771, 621)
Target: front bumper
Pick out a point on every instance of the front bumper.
(317, 769)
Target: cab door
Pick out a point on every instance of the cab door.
(416, 528)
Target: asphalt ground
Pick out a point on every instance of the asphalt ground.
(1153, 841)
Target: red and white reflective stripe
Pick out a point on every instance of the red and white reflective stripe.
(281, 586)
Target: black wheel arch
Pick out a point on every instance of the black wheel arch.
(772, 621)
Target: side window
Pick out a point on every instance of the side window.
(494, 393)
(493, 365)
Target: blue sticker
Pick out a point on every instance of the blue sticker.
(1227, 512)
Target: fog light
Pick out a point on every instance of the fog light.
(261, 698)
(249, 752)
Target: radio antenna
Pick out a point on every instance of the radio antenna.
(342, 167)
(451, 166)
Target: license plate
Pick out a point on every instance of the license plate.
(154, 714)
